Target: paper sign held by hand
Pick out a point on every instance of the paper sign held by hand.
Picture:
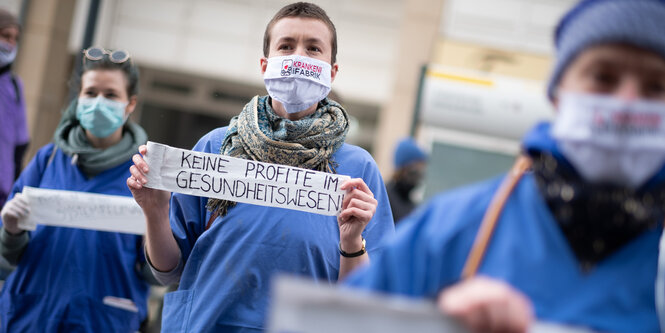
(82, 210)
(300, 305)
(223, 177)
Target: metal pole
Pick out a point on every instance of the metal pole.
(91, 24)
(419, 96)
(23, 14)
(88, 37)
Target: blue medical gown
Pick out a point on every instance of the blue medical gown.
(528, 250)
(64, 274)
(225, 285)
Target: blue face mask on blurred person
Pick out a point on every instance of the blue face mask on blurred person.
(7, 53)
(611, 140)
(100, 116)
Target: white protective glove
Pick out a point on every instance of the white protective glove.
(15, 210)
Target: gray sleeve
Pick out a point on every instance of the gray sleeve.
(13, 246)
(166, 278)
(145, 271)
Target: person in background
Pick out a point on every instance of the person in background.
(13, 127)
(410, 164)
(225, 253)
(78, 280)
(571, 234)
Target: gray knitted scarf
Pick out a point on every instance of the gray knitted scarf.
(259, 134)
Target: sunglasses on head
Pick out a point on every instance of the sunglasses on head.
(97, 53)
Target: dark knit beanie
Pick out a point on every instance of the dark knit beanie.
(640, 23)
(407, 152)
(7, 19)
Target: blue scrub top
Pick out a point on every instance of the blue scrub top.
(528, 250)
(225, 285)
(64, 274)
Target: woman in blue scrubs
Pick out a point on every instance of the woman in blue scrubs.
(224, 254)
(75, 280)
(571, 234)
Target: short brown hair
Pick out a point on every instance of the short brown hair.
(304, 10)
(8, 19)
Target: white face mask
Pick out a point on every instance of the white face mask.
(297, 82)
(611, 140)
(7, 53)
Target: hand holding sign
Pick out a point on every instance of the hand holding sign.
(358, 209)
(160, 245)
(487, 305)
(14, 211)
(152, 201)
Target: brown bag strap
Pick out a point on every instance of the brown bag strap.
(522, 164)
(213, 216)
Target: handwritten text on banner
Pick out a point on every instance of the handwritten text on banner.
(83, 210)
(240, 180)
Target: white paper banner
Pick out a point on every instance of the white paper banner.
(304, 306)
(82, 210)
(235, 179)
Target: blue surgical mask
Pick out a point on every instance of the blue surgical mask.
(7, 53)
(100, 116)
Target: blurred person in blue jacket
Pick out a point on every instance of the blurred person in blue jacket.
(571, 234)
(74, 279)
(13, 127)
(224, 253)
(410, 162)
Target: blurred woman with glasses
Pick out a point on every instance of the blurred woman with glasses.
(73, 279)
